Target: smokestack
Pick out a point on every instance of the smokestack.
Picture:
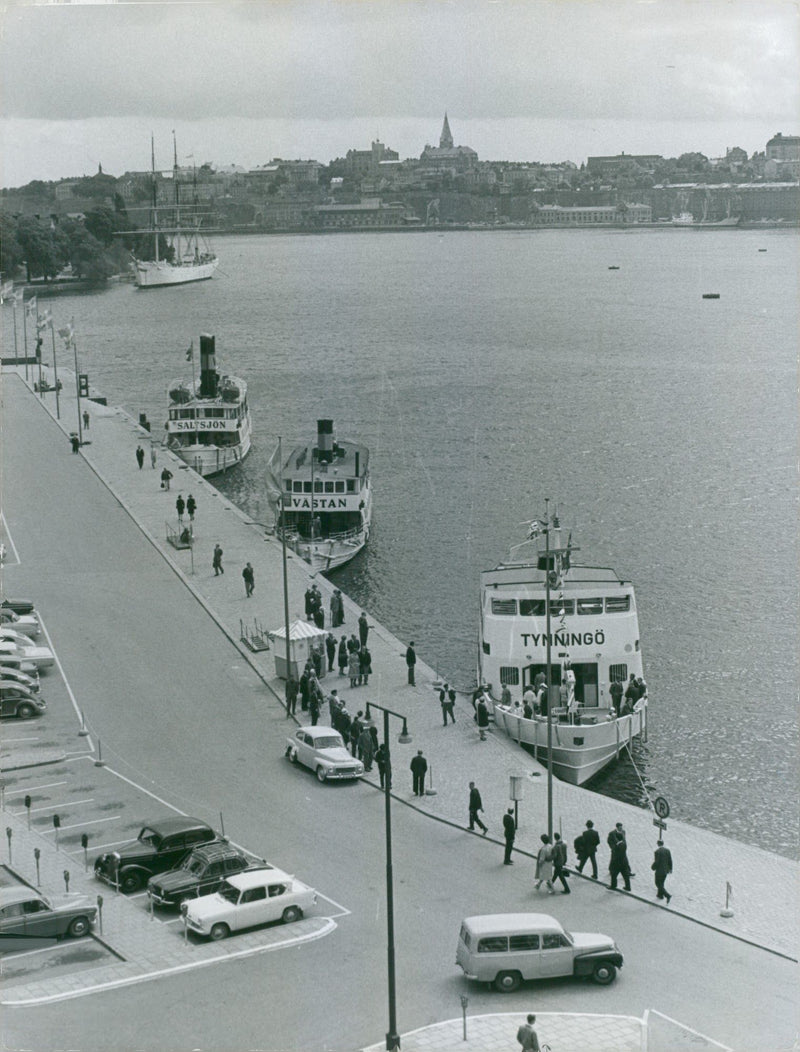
(325, 440)
(209, 377)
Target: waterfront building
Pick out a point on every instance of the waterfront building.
(446, 155)
(368, 214)
(592, 215)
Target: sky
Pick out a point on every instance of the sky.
(84, 84)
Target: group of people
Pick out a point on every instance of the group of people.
(624, 698)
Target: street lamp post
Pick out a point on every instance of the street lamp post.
(392, 1036)
(285, 572)
(549, 673)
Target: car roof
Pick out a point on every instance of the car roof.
(14, 683)
(168, 826)
(254, 878)
(320, 731)
(218, 849)
(510, 923)
(8, 896)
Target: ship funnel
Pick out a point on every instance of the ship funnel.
(325, 441)
(209, 377)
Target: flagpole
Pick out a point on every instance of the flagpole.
(25, 333)
(39, 353)
(55, 368)
(77, 380)
(14, 316)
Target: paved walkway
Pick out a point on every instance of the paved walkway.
(704, 861)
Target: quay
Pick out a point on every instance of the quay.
(705, 863)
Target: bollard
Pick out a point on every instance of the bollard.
(100, 912)
(85, 845)
(36, 854)
(727, 912)
(66, 880)
(151, 905)
(28, 809)
(116, 863)
(185, 916)
(83, 733)
(430, 791)
(99, 761)
(9, 834)
(56, 826)
(464, 1003)
(2, 795)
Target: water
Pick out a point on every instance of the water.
(487, 371)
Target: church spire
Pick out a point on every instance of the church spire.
(445, 139)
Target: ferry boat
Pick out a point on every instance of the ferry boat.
(540, 611)
(326, 499)
(209, 423)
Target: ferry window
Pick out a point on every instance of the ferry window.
(298, 486)
(493, 944)
(618, 604)
(351, 485)
(504, 607)
(590, 606)
(524, 942)
(487, 648)
(317, 486)
(329, 487)
(187, 414)
(307, 487)
(533, 607)
(509, 676)
(559, 606)
(617, 673)
(339, 487)
(213, 412)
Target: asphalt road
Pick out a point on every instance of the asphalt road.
(178, 709)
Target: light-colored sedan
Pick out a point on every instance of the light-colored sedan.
(258, 896)
(322, 749)
(41, 657)
(27, 624)
(26, 915)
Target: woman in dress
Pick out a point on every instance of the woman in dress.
(544, 865)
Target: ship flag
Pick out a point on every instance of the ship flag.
(30, 307)
(44, 321)
(67, 334)
(190, 352)
(6, 289)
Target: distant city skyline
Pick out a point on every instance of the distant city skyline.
(86, 84)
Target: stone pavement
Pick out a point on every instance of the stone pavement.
(704, 861)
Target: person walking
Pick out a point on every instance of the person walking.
(344, 656)
(411, 660)
(75, 443)
(364, 664)
(482, 716)
(382, 760)
(544, 865)
(180, 507)
(140, 457)
(618, 864)
(510, 833)
(330, 650)
(291, 695)
(589, 841)
(365, 748)
(337, 609)
(560, 862)
(447, 704)
(527, 1036)
(249, 577)
(153, 456)
(419, 768)
(86, 420)
(313, 707)
(662, 867)
(166, 475)
(353, 666)
(363, 628)
(356, 727)
(305, 678)
(475, 805)
(216, 562)
(191, 507)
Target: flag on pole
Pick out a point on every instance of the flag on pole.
(44, 321)
(17, 297)
(190, 352)
(30, 307)
(6, 290)
(67, 334)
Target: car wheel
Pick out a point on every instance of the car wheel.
(291, 913)
(219, 931)
(130, 881)
(322, 774)
(293, 755)
(79, 927)
(604, 973)
(25, 711)
(507, 982)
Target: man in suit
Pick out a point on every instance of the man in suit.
(662, 867)
(619, 865)
(560, 861)
(615, 690)
(411, 660)
(590, 841)
(509, 832)
(475, 805)
(419, 768)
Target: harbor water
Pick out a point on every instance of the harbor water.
(489, 370)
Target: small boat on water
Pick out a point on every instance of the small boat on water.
(209, 424)
(325, 493)
(541, 610)
(687, 219)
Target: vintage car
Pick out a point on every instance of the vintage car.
(19, 606)
(17, 663)
(322, 749)
(18, 701)
(27, 624)
(249, 899)
(201, 872)
(41, 657)
(28, 680)
(506, 948)
(25, 914)
(159, 847)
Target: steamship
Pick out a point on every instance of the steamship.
(209, 421)
(323, 499)
(587, 614)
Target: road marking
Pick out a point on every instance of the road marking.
(15, 741)
(111, 843)
(50, 807)
(345, 912)
(95, 822)
(34, 788)
(142, 789)
(60, 668)
(10, 538)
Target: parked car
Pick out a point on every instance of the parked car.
(17, 701)
(201, 872)
(14, 635)
(505, 948)
(159, 847)
(29, 680)
(26, 914)
(249, 899)
(41, 657)
(27, 624)
(18, 664)
(322, 749)
(19, 606)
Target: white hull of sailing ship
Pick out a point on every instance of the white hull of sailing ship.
(593, 631)
(327, 499)
(156, 274)
(209, 424)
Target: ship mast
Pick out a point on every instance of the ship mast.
(176, 189)
(154, 208)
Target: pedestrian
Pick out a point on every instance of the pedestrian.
(344, 656)
(411, 660)
(662, 867)
(309, 604)
(356, 727)
(216, 563)
(363, 628)
(153, 455)
(75, 442)
(166, 475)
(313, 708)
(365, 749)
(249, 580)
(344, 725)
(382, 760)
(618, 864)
(333, 707)
(451, 701)
(337, 609)
(319, 615)
(86, 420)
(447, 705)
(140, 457)
(632, 692)
(364, 665)
(353, 666)
(291, 695)
(317, 660)
(589, 841)
(560, 862)
(615, 690)
(482, 717)
(191, 507)
(544, 865)
(305, 677)
(353, 644)
(530, 701)
(475, 805)
(505, 696)
(527, 1036)
(419, 767)
(509, 832)
(330, 649)
(180, 507)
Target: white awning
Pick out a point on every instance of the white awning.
(298, 630)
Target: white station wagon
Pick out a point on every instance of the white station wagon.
(322, 749)
(248, 899)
